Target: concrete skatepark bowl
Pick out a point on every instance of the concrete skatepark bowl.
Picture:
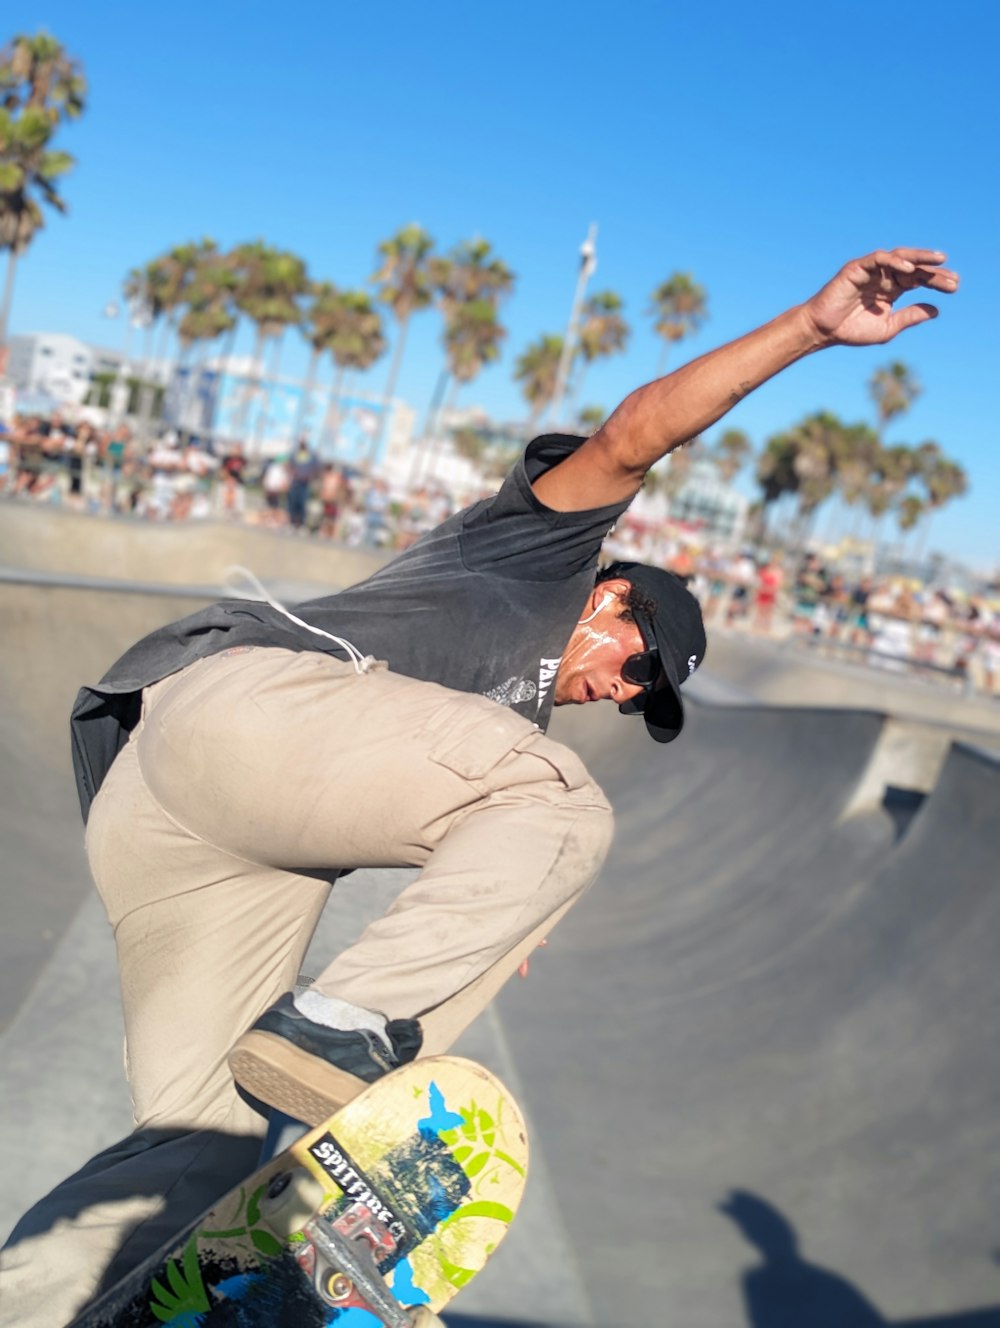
(757, 1060)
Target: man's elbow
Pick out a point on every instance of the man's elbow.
(621, 448)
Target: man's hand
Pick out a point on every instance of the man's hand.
(856, 307)
(522, 968)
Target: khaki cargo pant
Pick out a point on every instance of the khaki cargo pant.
(249, 771)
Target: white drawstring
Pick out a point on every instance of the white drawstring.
(362, 663)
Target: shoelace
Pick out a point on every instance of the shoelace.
(362, 663)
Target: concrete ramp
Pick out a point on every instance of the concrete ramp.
(758, 1059)
(760, 1051)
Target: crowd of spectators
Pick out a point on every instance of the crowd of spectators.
(107, 471)
(891, 623)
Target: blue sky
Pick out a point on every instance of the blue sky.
(758, 147)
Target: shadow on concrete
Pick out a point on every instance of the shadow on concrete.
(187, 1170)
(786, 1291)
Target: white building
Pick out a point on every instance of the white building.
(706, 501)
(51, 362)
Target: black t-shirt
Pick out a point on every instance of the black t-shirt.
(484, 603)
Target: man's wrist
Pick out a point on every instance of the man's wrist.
(813, 336)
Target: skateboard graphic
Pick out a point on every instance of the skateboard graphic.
(376, 1217)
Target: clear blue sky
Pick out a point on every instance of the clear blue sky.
(758, 146)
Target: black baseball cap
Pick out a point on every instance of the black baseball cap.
(679, 636)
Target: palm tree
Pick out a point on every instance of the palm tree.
(856, 447)
(942, 480)
(321, 323)
(730, 453)
(892, 469)
(271, 283)
(776, 473)
(590, 418)
(405, 283)
(470, 272)
(678, 307)
(603, 332)
(909, 512)
(468, 276)
(148, 289)
(176, 272)
(815, 461)
(40, 86)
(472, 340)
(359, 341)
(536, 369)
(208, 299)
(894, 390)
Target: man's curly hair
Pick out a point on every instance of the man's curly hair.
(635, 601)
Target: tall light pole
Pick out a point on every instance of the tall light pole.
(588, 266)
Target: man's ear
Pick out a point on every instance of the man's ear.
(616, 587)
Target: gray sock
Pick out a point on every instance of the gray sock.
(335, 1013)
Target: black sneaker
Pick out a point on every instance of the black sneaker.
(308, 1070)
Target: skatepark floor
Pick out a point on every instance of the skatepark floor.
(756, 1059)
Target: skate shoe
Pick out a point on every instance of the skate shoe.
(308, 1070)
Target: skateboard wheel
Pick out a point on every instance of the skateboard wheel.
(291, 1199)
(336, 1287)
(422, 1317)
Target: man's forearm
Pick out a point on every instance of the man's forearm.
(654, 419)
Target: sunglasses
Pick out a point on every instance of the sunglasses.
(643, 668)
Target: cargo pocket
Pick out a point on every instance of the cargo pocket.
(474, 749)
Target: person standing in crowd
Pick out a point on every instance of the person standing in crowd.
(304, 468)
(808, 590)
(770, 579)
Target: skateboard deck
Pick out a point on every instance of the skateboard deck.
(418, 1178)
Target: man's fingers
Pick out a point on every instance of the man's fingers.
(921, 256)
(904, 258)
(922, 264)
(910, 317)
(939, 278)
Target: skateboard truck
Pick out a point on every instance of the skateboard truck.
(353, 1273)
(339, 1255)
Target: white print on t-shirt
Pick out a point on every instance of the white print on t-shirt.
(512, 692)
(547, 670)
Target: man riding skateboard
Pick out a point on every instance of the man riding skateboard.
(232, 764)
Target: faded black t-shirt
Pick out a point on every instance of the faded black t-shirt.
(484, 603)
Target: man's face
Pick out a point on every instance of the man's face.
(601, 643)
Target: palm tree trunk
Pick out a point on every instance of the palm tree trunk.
(573, 395)
(435, 442)
(263, 421)
(307, 391)
(390, 384)
(435, 405)
(923, 532)
(421, 446)
(147, 393)
(331, 425)
(250, 384)
(225, 355)
(8, 296)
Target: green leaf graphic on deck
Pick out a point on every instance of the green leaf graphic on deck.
(187, 1293)
(474, 1143)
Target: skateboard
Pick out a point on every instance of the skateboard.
(376, 1217)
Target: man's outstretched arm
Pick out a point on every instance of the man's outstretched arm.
(856, 308)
